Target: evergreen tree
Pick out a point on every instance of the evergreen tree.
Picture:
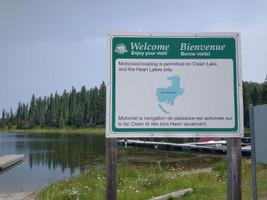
(52, 112)
(264, 92)
(94, 105)
(87, 110)
(32, 110)
(58, 111)
(246, 102)
(3, 119)
(37, 112)
(19, 116)
(12, 119)
(42, 113)
(65, 107)
(102, 104)
(81, 97)
(25, 115)
(256, 95)
(8, 120)
(73, 108)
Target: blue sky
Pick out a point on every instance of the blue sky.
(52, 45)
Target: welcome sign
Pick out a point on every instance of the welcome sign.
(174, 85)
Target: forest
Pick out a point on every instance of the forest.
(87, 108)
(75, 109)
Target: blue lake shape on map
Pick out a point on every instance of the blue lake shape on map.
(168, 95)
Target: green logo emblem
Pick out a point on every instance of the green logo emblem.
(121, 49)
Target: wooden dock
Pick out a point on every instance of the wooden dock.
(18, 196)
(9, 161)
(246, 150)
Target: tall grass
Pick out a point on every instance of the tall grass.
(144, 183)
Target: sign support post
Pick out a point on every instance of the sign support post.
(253, 151)
(111, 168)
(234, 171)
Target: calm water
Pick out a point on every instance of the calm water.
(52, 157)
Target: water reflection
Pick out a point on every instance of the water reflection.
(52, 157)
(48, 158)
(67, 151)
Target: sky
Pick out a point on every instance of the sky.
(53, 45)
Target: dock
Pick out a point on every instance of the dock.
(18, 196)
(10, 161)
(246, 149)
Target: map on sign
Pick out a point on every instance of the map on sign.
(170, 94)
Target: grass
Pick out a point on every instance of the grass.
(144, 183)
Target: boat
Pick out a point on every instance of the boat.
(211, 142)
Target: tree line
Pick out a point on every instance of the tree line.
(255, 94)
(82, 109)
(86, 108)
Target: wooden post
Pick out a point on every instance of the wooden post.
(111, 168)
(234, 171)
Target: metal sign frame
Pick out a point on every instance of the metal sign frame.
(125, 51)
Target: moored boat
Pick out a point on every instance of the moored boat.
(211, 142)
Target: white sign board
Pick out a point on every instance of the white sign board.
(174, 85)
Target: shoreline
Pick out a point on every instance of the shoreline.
(55, 130)
(65, 130)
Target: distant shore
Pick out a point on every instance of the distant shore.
(100, 130)
(55, 130)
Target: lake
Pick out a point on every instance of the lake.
(51, 157)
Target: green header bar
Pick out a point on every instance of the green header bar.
(170, 48)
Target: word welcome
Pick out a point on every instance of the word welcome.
(145, 46)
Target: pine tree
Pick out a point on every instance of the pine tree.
(3, 120)
(256, 95)
(60, 117)
(25, 115)
(42, 112)
(19, 116)
(8, 120)
(37, 112)
(58, 111)
(246, 102)
(81, 97)
(12, 119)
(53, 115)
(264, 92)
(65, 104)
(102, 104)
(32, 110)
(51, 112)
(87, 110)
(73, 108)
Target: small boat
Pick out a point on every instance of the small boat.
(211, 142)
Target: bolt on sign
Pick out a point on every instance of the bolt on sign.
(174, 85)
